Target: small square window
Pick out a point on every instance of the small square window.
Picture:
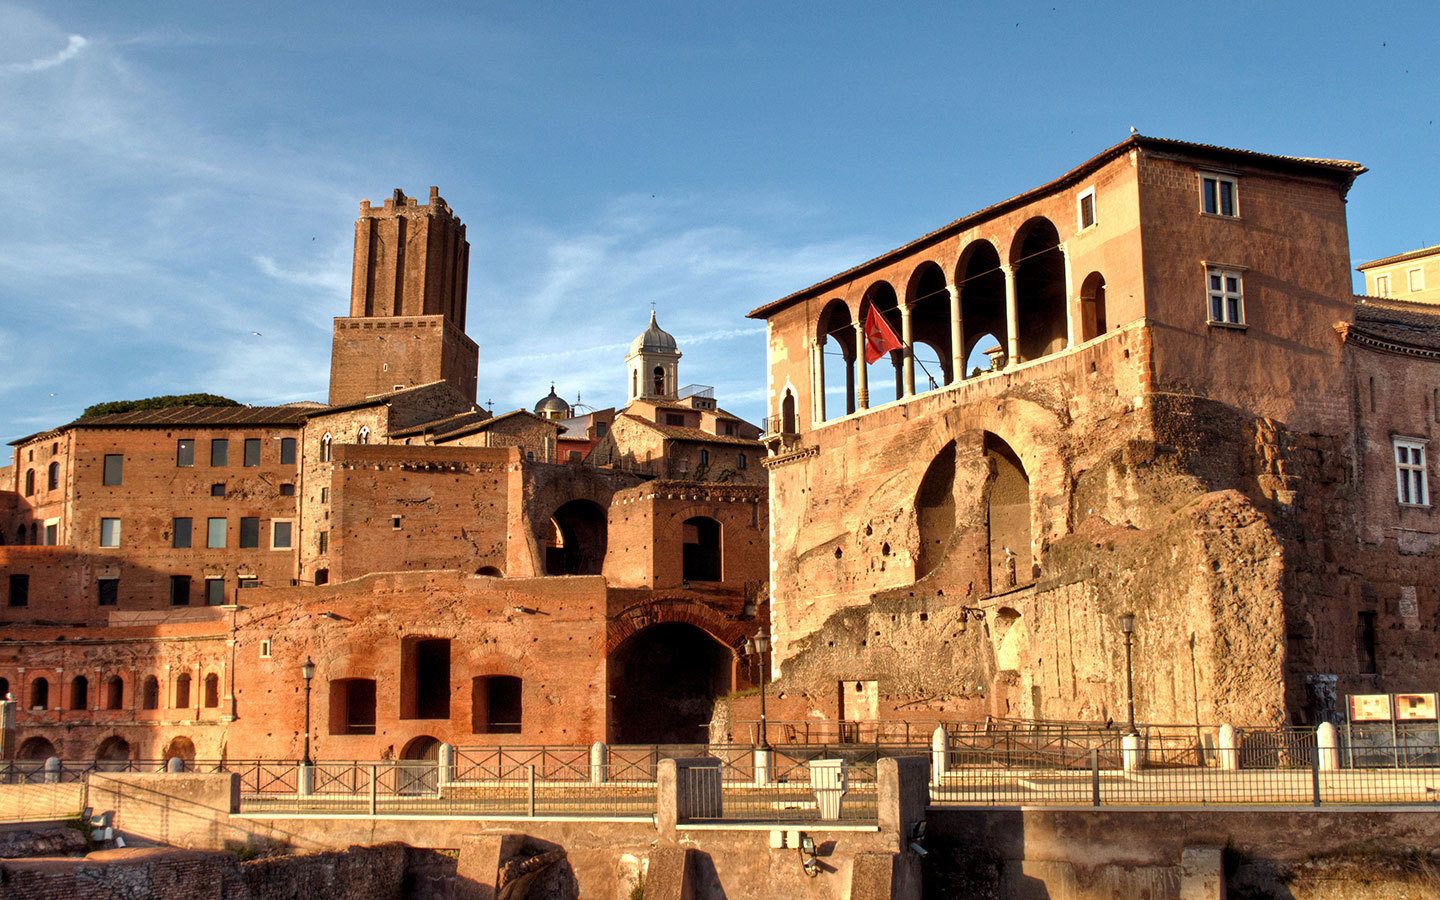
(1225, 289)
(1219, 196)
(185, 452)
(1085, 208)
(281, 533)
(109, 532)
(220, 452)
(1411, 481)
(114, 468)
(217, 489)
(179, 590)
(108, 591)
(395, 522)
(214, 591)
(180, 532)
(252, 452)
(1415, 280)
(215, 534)
(287, 490)
(287, 451)
(19, 591)
(249, 533)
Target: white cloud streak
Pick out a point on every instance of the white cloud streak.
(72, 50)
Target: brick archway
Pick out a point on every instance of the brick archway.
(634, 619)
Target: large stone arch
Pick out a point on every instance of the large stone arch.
(663, 680)
(636, 618)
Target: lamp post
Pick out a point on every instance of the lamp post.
(758, 647)
(1127, 626)
(307, 670)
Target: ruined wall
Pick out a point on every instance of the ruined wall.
(648, 534)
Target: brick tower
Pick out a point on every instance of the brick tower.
(407, 303)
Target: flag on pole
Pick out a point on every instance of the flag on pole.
(880, 338)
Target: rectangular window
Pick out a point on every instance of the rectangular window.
(252, 452)
(220, 452)
(249, 581)
(19, 590)
(214, 592)
(1411, 487)
(1382, 285)
(109, 532)
(265, 649)
(179, 590)
(287, 490)
(217, 489)
(324, 495)
(674, 418)
(108, 591)
(1415, 279)
(52, 532)
(1219, 195)
(1226, 292)
(114, 468)
(215, 534)
(1366, 645)
(1085, 208)
(287, 451)
(249, 533)
(180, 532)
(281, 534)
(323, 542)
(185, 452)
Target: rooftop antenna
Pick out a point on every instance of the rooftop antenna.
(490, 405)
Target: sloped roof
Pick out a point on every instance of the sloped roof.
(696, 435)
(1343, 170)
(1398, 325)
(1399, 258)
(487, 424)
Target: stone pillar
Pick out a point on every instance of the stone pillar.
(764, 767)
(685, 789)
(957, 336)
(1202, 873)
(304, 780)
(1012, 319)
(862, 376)
(599, 761)
(849, 386)
(1327, 742)
(939, 754)
(907, 357)
(902, 794)
(52, 770)
(1070, 304)
(174, 765)
(7, 729)
(1229, 753)
(817, 382)
(1130, 752)
(445, 760)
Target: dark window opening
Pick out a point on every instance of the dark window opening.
(114, 693)
(249, 533)
(39, 694)
(180, 532)
(787, 414)
(19, 590)
(212, 691)
(425, 678)
(185, 452)
(29, 482)
(287, 490)
(114, 468)
(179, 590)
(659, 381)
(252, 452)
(576, 539)
(495, 704)
(701, 554)
(1365, 639)
(182, 691)
(214, 592)
(1092, 307)
(220, 452)
(108, 591)
(150, 693)
(352, 706)
(79, 692)
(52, 476)
(287, 451)
(217, 489)
(322, 576)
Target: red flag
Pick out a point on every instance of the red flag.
(880, 338)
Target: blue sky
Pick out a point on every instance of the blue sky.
(183, 174)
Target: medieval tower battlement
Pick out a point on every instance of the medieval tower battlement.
(407, 303)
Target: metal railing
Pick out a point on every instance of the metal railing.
(791, 793)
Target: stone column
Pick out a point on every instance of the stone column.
(599, 762)
(1070, 305)
(849, 387)
(1229, 756)
(907, 358)
(1012, 319)
(957, 336)
(1130, 752)
(1327, 742)
(446, 765)
(939, 754)
(862, 377)
(820, 382)
(764, 767)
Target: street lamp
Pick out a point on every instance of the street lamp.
(758, 647)
(1127, 626)
(308, 672)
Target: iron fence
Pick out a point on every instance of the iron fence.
(791, 793)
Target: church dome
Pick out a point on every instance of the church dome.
(654, 339)
(552, 407)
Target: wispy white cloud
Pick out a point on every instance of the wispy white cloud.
(72, 49)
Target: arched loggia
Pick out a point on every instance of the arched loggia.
(884, 376)
(928, 298)
(981, 282)
(835, 338)
(1039, 267)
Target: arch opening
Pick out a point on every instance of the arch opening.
(114, 692)
(885, 377)
(929, 301)
(981, 283)
(835, 336)
(212, 691)
(36, 748)
(181, 748)
(489, 572)
(1039, 267)
(112, 753)
(40, 694)
(664, 681)
(787, 413)
(1007, 516)
(701, 555)
(150, 693)
(1092, 307)
(79, 692)
(576, 541)
(182, 691)
(935, 511)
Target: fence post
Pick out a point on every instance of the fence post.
(1229, 752)
(530, 777)
(1130, 752)
(374, 789)
(52, 770)
(939, 754)
(1315, 777)
(1328, 743)
(446, 758)
(598, 758)
(304, 779)
(1095, 776)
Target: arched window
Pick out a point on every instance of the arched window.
(29, 482)
(114, 693)
(212, 691)
(20, 536)
(742, 461)
(701, 553)
(1039, 266)
(634, 383)
(835, 375)
(182, 691)
(932, 357)
(1092, 307)
(34, 533)
(39, 694)
(322, 576)
(575, 541)
(4, 689)
(364, 434)
(52, 477)
(79, 692)
(325, 447)
(150, 693)
(659, 381)
(885, 376)
(704, 457)
(787, 413)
